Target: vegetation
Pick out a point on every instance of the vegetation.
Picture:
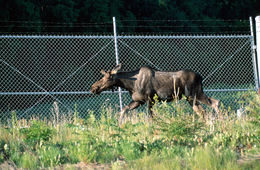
(76, 15)
(174, 138)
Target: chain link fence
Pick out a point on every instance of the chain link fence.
(37, 71)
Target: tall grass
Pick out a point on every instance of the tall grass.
(174, 138)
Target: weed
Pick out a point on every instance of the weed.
(174, 138)
(38, 132)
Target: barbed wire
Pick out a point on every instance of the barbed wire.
(205, 25)
(52, 26)
(137, 26)
(217, 20)
(59, 23)
(47, 32)
(110, 22)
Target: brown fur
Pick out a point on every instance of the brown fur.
(144, 83)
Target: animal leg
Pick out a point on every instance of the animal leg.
(210, 102)
(129, 107)
(197, 108)
(150, 105)
(214, 104)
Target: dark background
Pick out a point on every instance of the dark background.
(135, 16)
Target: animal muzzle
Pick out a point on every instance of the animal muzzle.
(95, 90)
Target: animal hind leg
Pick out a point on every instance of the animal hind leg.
(131, 106)
(150, 110)
(197, 108)
(214, 104)
(210, 102)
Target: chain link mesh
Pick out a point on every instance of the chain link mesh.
(36, 71)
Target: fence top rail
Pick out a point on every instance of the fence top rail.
(122, 36)
(185, 36)
(56, 37)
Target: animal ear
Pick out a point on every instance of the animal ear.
(116, 69)
(102, 72)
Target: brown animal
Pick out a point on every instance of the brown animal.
(143, 84)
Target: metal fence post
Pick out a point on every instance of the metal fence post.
(257, 26)
(117, 60)
(253, 52)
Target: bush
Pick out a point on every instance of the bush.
(176, 124)
(38, 132)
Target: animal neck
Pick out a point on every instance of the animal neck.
(126, 80)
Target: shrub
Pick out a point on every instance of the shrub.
(38, 132)
(177, 125)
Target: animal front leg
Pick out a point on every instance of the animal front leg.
(214, 104)
(211, 102)
(129, 107)
(197, 108)
(150, 110)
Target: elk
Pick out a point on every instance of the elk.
(144, 83)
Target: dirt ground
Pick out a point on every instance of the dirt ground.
(82, 165)
(7, 165)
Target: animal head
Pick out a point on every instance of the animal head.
(107, 82)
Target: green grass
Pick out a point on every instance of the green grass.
(91, 102)
(174, 138)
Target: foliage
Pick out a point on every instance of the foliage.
(177, 124)
(38, 132)
(199, 158)
(67, 16)
(253, 107)
(174, 138)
